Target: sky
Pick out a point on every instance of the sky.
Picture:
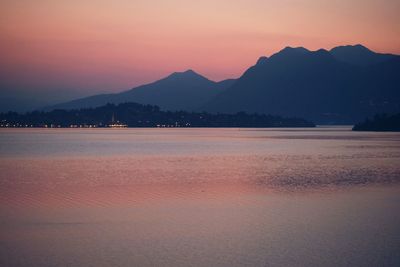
(57, 50)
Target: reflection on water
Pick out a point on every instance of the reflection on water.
(199, 197)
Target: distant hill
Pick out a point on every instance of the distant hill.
(19, 104)
(380, 123)
(137, 115)
(343, 85)
(179, 91)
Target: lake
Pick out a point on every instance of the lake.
(322, 196)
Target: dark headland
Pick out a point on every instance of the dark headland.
(380, 122)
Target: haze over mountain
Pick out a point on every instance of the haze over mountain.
(343, 85)
(179, 91)
(22, 99)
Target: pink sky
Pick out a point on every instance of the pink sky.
(99, 45)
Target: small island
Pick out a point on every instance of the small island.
(137, 115)
(380, 122)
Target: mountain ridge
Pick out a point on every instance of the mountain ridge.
(315, 85)
(340, 85)
(184, 90)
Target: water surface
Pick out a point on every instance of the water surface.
(199, 197)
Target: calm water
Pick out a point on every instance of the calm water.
(199, 197)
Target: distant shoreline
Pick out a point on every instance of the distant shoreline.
(135, 115)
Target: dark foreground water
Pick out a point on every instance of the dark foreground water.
(199, 197)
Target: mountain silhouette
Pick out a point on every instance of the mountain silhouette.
(343, 85)
(359, 55)
(178, 91)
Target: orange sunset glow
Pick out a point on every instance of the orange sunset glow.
(97, 46)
